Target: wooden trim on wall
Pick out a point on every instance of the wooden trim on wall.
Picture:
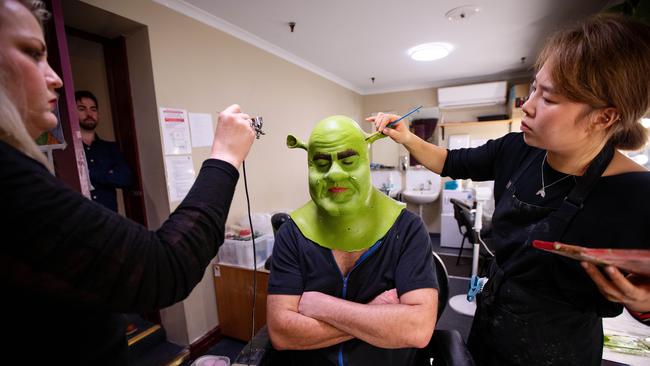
(119, 87)
(69, 161)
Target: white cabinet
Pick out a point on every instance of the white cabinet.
(450, 236)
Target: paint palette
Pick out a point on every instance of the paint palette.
(630, 260)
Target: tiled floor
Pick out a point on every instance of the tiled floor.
(228, 347)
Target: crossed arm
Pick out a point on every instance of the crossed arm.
(316, 320)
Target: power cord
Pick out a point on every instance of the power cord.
(250, 221)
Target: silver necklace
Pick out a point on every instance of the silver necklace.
(542, 191)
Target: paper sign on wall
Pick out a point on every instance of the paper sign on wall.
(175, 128)
(180, 176)
(201, 129)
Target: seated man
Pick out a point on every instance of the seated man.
(352, 278)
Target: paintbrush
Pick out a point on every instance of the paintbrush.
(377, 135)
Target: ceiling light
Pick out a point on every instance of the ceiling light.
(461, 13)
(645, 122)
(430, 51)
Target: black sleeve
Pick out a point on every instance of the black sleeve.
(415, 268)
(479, 163)
(285, 277)
(65, 248)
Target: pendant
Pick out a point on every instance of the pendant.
(541, 193)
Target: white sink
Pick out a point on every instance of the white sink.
(420, 197)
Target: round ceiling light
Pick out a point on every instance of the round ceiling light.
(430, 51)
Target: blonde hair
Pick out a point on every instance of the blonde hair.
(604, 61)
(14, 132)
(12, 126)
(37, 8)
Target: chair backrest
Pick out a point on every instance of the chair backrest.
(443, 283)
(277, 220)
(463, 215)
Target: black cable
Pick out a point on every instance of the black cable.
(250, 221)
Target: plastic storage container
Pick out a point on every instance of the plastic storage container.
(212, 360)
(240, 252)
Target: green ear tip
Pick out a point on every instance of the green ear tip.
(293, 142)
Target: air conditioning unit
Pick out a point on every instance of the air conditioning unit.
(474, 95)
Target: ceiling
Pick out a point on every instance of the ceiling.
(352, 41)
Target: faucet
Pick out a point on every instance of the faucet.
(429, 184)
(421, 187)
(386, 188)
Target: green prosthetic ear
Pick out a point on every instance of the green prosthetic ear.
(293, 142)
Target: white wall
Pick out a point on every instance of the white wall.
(201, 69)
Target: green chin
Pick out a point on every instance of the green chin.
(337, 209)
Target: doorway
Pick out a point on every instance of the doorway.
(99, 66)
(91, 48)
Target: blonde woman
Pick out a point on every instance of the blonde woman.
(68, 265)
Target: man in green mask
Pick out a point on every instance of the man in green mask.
(352, 278)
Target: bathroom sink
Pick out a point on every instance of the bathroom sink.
(420, 197)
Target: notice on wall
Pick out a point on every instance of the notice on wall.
(201, 129)
(175, 128)
(180, 176)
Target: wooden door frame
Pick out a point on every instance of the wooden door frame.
(121, 103)
(70, 162)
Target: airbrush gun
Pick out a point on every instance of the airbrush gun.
(256, 124)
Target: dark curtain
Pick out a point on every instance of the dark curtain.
(423, 128)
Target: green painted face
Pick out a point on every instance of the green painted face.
(345, 212)
(339, 169)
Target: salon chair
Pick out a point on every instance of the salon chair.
(463, 216)
(465, 219)
(276, 221)
(446, 347)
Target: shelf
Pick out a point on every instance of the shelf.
(473, 123)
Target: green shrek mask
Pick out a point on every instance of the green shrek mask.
(345, 212)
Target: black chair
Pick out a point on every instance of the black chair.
(446, 347)
(276, 221)
(463, 216)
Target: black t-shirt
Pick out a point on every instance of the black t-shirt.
(401, 259)
(615, 215)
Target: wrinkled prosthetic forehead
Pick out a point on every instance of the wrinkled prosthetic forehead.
(342, 137)
(341, 147)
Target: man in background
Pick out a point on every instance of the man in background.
(106, 165)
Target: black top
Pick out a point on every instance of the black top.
(68, 264)
(615, 215)
(402, 259)
(107, 170)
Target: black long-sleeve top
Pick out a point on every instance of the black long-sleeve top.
(615, 215)
(68, 264)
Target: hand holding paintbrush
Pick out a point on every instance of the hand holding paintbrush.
(388, 125)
